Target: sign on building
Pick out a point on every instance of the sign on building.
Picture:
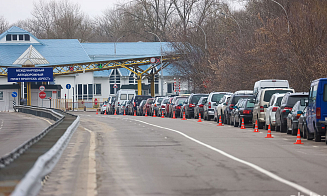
(30, 74)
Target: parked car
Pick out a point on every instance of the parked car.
(122, 107)
(162, 107)
(147, 106)
(177, 107)
(213, 99)
(199, 107)
(156, 105)
(303, 125)
(173, 103)
(139, 109)
(261, 104)
(274, 83)
(111, 105)
(294, 115)
(231, 103)
(135, 101)
(103, 107)
(219, 109)
(285, 108)
(167, 107)
(234, 111)
(188, 106)
(243, 111)
(316, 115)
(273, 105)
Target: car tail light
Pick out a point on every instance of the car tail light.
(155, 105)
(118, 103)
(178, 107)
(286, 109)
(134, 104)
(262, 109)
(246, 111)
(298, 116)
(274, 109)
(104, 105)
(209, 106)
(163, 106)
(318, 112)
(231, 106)
(201, 105)
(191, 105)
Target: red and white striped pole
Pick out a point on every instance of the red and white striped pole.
(175, 85)
(179, 87)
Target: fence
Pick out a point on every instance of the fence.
(67, 104)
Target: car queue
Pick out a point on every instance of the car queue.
(272, 103)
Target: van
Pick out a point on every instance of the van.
(316, 115)
(261, 104)
(273, 83)
(123, 95)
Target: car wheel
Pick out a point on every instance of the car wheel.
(239, 122)
(282, 127)
(208, 117)
(309, 135)
(272, 128)
(266, 126)
(218, 119)
(235, 124)
(260, 125)
(294, 131)
(317, 137)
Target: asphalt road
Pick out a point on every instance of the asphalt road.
(126, 155)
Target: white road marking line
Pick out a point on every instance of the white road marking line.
(285, 139)
(91, 180)
(266, 172)
(1, 124)
(315, 146)
(44, 120)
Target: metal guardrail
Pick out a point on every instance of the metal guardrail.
(42, 112)
(30, 184)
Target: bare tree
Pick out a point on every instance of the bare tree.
(4, 24)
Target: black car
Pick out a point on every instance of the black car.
(199, 107)
(231, 103)
(243, 110)
(285, 108)
(189, 106)
(135, 101)
(294, 115)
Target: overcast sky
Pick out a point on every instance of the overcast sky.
(14, 10)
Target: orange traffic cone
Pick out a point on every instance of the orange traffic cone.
(298, 137)
(162, 114)
(184, 116)
(124, 113)
(115, 113)
(154, 114)
(174, 116)
(97, 112)
(269, 133)
(256, 127)
(134, 112)
(199, 118)
(105, 112)
(220, 124)
(146, 113)
(242, 126)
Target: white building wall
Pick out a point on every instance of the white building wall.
(7, 102)
(105, 88)
(63, 81)
(4, 80)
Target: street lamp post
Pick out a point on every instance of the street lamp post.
(239, 27)
(205, 36)
(288, 22)
(116, 43)
(161, 84)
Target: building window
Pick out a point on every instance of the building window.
(48, 94)
(14, 37)
(8, 37)
(156, 88)
(21, 37)
(132, 79)
(90, 90)
(112, 89)
(1, 95)
(114, 79)
(27, 37)
(79, 91)
(84, 91)
(97, 89)
(170, 88)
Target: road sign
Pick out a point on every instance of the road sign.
(30, 74)
(153, 60)
(42, 94)
(42, 88)
(115, 86)
(68, 86)
(95, 101)
(14, 94)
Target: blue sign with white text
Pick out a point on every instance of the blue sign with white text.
(14, 94)
(30, 74)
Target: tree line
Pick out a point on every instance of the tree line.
(221, 50)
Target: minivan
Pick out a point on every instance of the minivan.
(123, 95)
(273, 83)
(316, 115)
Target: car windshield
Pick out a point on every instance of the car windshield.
(159, 100)
(270, 93)
(150, 101)
(216, 97)
(165, 101)
(278, 101)
(293, 99)
(195, 98)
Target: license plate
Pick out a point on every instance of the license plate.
(325, 118)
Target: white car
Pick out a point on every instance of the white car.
(273, 105)
(103, 107)
(219, 109)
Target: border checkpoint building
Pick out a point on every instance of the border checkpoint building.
(94, 70)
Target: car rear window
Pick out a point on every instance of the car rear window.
(325, 92)
(150, 101)
(195, 98)
(249, 104)
(236, 98)
(293, 99)
(140, 98)
(165, 101)
(216, 97)
(159, 100)
(180, 101)
(270, 93)
(279, 99)
(123, 96)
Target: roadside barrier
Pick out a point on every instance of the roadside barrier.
(256, 130)
(199, 117)
(184, 116)
(269, 133)
(298, 137)
(220, 124)
(242, 127)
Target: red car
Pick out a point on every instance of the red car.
(167, 106)
(147, 106)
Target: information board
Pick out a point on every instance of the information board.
(30, 74)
